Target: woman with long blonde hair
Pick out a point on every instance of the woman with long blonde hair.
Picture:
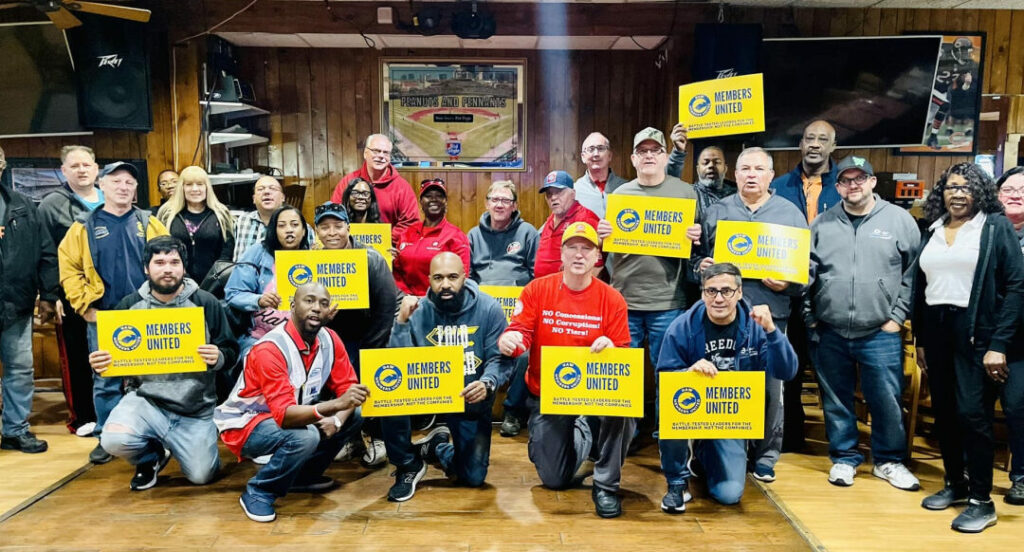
(195, 216)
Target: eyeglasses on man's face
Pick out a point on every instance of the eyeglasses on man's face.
(501, 200)
(726, 292)
(595, 149)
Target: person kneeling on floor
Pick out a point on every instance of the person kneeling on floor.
(276, 408)
(721, 333)
(170, 414)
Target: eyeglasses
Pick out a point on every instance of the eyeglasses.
(360, 194)
(966, 190)
(595, 149)
(329, 208)
(860, 179)
(726, 292)
(379, 152)
(501, 200)
(643, 152)
(1011, 190)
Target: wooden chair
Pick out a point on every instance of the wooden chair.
(294, 195)
(912, 393)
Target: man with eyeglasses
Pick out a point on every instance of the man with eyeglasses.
(251, 226)
(593, 188)
(652, 286)
(503, 249)
(560, 195)
(1011, 195)
(720, 334)
(755, 202)
(861, 295)
(395, 198)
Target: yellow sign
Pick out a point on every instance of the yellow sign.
(412, 380)
(650, 225)
(763, 250)
(721, 107)
(578, 382)
(506, 296)
(375, 235)
(152, 341)
(343, 271)
(727, 406)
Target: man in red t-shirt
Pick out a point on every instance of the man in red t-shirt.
(573, 309)
(267, 414)
(561, 198)
(395, 198)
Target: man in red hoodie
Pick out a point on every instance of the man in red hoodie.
(395, 197)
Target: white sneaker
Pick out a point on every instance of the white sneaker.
(842, 475)
(86, 429)
(376, 455)
(262, 460)
(348, 451)
(897, 475)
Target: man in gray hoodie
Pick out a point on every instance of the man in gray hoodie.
(756, 203)
(170, 414)
(861, 294)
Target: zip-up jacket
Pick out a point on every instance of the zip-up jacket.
(395, 199)
(59, 210)
(791, 187)
(192, 393)
(28, 259)
(369, 328)
(503, 257)
(863, 277)
(418, 245)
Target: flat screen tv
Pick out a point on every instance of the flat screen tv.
(37, 82)
(876, 91)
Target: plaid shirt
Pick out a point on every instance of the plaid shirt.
(249, 229)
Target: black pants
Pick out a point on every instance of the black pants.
(963, 397)
(793, 407)
(75, 373)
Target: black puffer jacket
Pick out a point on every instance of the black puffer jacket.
(28, 259)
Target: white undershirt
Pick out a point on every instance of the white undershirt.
(949, 269)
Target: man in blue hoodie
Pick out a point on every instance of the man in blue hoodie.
(454, 312)
(721, 333)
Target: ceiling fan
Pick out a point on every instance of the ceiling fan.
(59, 11)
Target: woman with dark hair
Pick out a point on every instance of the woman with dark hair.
(968, 295)
(420, 242)
(252, 288)
(360, 201)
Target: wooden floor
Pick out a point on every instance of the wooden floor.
(96, 511)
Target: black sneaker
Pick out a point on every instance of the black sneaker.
(948, 496)
(428, 445)
(606, 503)
(405, 483)
(146, 473)
(99, 456)
(1015, 495)
(510, 425)
(675, 499)
(26, 442)
(423, 422)
(318, 485)
(976, 518)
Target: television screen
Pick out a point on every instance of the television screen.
(876, 91)
(37, 83)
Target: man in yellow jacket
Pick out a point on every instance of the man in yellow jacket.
(101, 263)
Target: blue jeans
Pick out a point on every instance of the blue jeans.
(106, 392)
(880, 356)
(651, 325)
(466, 457)
(138, 431)
(18, 385)
(299, 455)
(724, 462)
(515, 398)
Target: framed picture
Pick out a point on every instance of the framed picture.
(952, 124)
(451, 114)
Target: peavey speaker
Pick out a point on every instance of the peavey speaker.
(721, 51)
(112, 68)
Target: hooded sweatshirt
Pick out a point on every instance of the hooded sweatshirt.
(503, 257)
(60, 209)
(395, 198)
(475, 325)
(191, 394)
(756, 351)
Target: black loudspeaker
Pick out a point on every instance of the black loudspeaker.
(112, 68)
(722, 51)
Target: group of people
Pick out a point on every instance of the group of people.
(282, 386)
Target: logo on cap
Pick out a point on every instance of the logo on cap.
(551, 177)
(859, 161)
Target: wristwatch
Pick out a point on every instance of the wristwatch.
(489, 386)
(337, 422)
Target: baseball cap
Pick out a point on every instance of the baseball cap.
(649, 133)
(557, 179)
(855, 162)
(581, 230)
(120, 166)
(329, 209)
(433, 183)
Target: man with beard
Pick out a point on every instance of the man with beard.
(168, 415)
(711, 185)
(454, 312)
(278, 408)
(593, 187)
(251, 227)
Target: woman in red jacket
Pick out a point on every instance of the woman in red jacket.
(426, 238)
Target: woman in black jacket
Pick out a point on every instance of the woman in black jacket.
(195, 216)
(969, 291)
